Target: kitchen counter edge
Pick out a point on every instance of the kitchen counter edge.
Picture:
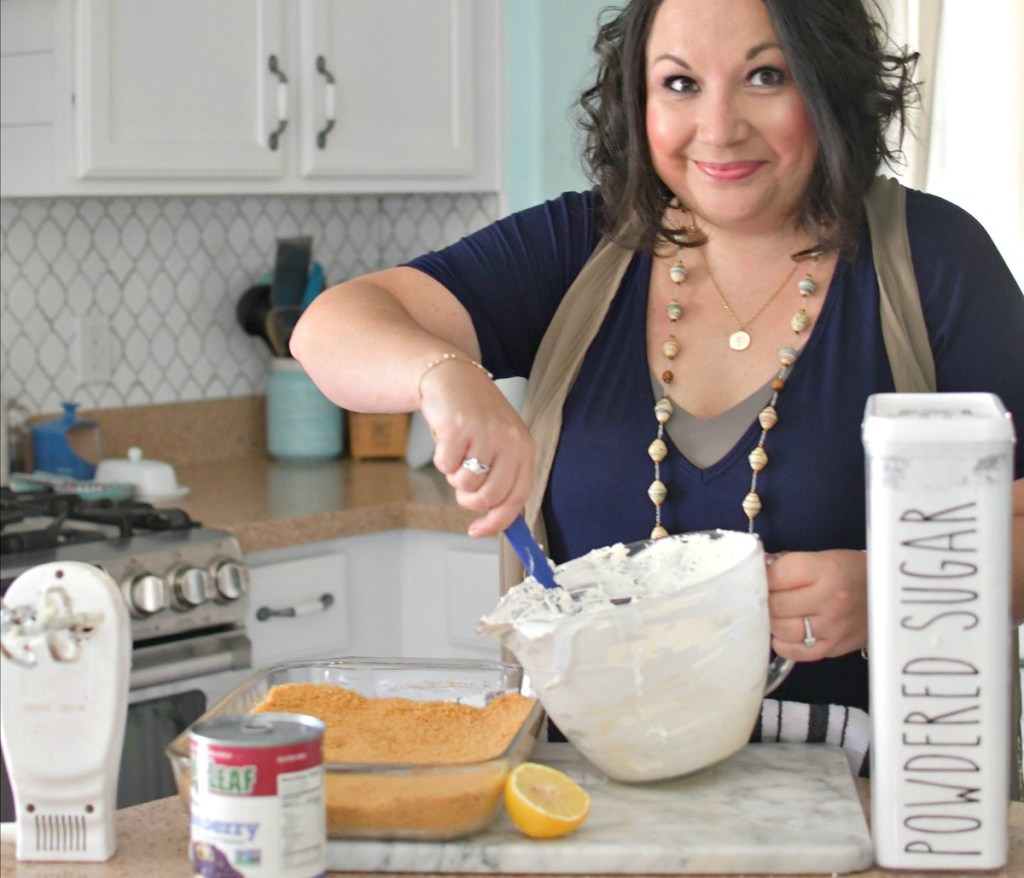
(153, 841)
(269, 504)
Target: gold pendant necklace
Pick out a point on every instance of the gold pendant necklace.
(740, 339)
(768, 417)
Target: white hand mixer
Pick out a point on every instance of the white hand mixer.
(65, 640)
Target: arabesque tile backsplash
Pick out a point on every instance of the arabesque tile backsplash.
(165, 274)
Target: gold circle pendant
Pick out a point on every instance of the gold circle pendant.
(739, 340)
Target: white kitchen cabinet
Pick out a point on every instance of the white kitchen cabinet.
(27, 97)
(299, 609)
(261, 96)
(360, 576)
(386, 88)
(402, 593)
(448, 582)
(178, 89)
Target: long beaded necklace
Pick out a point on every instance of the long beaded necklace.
(767, 418)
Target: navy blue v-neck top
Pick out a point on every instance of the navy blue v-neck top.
(511, 277)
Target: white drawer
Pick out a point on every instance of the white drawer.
(299, 609)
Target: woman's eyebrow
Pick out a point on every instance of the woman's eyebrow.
(669, 57)
(752, 53)
(759, 48)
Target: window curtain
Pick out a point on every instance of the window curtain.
(967, 138)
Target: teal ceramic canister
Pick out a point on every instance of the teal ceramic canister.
(302, 424)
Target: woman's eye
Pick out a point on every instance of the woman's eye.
(767, 76)
(680, 84)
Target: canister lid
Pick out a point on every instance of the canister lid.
(259, 729)
(939, 418)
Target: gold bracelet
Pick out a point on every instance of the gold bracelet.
(449, 358)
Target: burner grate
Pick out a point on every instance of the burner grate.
(131, 518)
(59, 519)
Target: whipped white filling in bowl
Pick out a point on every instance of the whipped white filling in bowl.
(651, 658)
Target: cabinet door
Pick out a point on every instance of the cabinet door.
(299, 609)
(396, 78)
(179, 89)
(448, 582)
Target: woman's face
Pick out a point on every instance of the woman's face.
(729, 131)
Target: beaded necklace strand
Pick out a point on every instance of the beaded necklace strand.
(767, 418)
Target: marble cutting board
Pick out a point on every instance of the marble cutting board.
(772, 808)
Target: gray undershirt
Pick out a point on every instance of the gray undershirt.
(705, 441)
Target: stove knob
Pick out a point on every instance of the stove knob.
(231, 579)
(145, 593)
(189, 588)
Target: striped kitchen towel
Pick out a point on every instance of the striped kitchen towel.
(791, 721)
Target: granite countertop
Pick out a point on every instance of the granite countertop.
(219, 452)
(269, 504)
(153, 843)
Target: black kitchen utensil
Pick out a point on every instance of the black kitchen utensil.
(291, 270)
(252, 309)
(280, 323)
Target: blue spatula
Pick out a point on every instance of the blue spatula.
(530, 553)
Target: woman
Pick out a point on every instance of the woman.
(731, 145)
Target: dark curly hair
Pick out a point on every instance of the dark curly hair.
(854, 88)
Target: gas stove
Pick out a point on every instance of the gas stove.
(175, 575)
(186, 589)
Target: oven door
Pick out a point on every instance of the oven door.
(172, 685)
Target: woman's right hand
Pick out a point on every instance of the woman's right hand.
(470, 417)
(368, 344)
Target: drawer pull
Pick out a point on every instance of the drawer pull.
(318, 605)
(282, 102)
(329, 114)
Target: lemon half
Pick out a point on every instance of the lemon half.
(544, 802)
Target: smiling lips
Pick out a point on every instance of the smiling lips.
(728, 171)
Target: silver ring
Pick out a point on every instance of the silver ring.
(477, 467)
(809, 638)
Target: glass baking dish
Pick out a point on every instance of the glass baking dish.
(396, 801)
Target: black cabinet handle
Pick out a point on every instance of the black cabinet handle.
(320, 604)
(329, 114)
(282, 102)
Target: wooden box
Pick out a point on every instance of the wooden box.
(377, 436)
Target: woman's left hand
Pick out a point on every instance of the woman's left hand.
(818, 603)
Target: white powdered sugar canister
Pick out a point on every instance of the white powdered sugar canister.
(939, 476)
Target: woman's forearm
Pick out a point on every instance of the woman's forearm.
(366, 342)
